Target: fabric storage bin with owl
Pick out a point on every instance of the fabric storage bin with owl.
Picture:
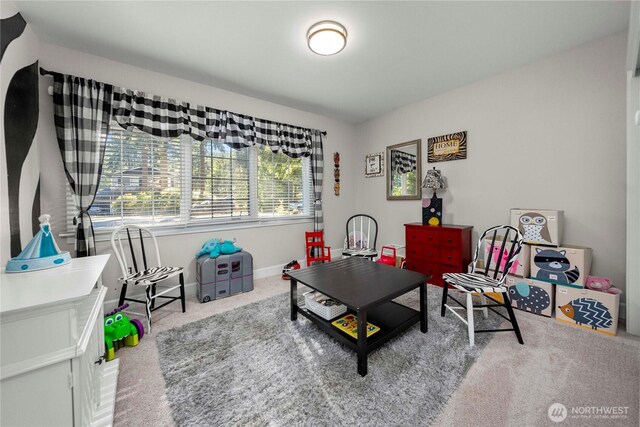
(538, 226)
(531, 295)
(588, 309)
(520, 267)
(567, 265)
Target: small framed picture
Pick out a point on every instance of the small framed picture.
(374, 165)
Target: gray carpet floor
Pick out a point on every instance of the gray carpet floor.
(509, 384)
(252, 366)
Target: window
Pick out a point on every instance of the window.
(181, 181)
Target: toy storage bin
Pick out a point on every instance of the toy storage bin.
(567, 265)
(520, 267)
(324, 311)
(588, 309)
(531, 295)
(539, 226)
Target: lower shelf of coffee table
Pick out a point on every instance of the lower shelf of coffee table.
(392, 319)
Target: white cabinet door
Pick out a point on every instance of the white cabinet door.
(41, 397)
(87, 378)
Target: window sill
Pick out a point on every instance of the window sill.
(239, 224)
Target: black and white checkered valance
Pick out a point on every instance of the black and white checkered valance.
(169, 118)
(403, 162)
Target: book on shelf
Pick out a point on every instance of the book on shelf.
(349, 325)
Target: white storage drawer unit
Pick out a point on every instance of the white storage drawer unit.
(52, 337)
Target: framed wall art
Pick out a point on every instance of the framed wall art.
(374, 165)
(447, 147)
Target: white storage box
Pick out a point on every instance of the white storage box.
(313, 302)
(531, 295)
(589, 309)
(520, 267)
(539, 226)
(567, 265)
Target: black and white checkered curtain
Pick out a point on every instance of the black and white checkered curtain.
(82, 111)
(317, 172)
(168, 118)
(403, 162)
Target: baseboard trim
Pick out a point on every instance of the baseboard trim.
(190, 288)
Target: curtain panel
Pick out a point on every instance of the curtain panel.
(317, 173)
(82, 112)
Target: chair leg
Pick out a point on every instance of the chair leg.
(512, 316)
(470, 319)
(123, 294)
(485, 310)
(182, 293)
(153, 294)
(148, 307)
(445, 292)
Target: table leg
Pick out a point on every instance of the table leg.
(294, 299)
(424, 326)
(362, 343)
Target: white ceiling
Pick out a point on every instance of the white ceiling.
(397, 52)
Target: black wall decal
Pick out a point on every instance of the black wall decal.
(35, 210)
(20, 124)
(10, 29)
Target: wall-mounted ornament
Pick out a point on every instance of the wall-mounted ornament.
(447, 147)
(336, 173)
(374, 165)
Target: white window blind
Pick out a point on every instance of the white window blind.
(283, 184)
(219, 181)
(182, 182)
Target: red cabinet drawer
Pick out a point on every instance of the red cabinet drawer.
(451, 239)
(421, 236)
(450, 256)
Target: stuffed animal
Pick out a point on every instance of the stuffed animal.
(601, 284)
(216, 247)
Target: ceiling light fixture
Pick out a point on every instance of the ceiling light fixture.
(327, 37)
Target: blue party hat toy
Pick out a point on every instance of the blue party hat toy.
(41, 252)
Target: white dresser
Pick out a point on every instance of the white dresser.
(51, 347)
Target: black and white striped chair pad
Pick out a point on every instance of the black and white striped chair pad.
(152, 275)
(473, 282)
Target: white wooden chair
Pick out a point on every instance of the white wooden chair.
(487, 280)
(137, 270)
(362, 234)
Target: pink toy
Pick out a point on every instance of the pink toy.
(503, 259)
(601, 284)
(598, 283)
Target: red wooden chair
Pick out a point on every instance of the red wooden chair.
(314, 242)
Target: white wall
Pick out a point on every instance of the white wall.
(270, 246)
(550, 134)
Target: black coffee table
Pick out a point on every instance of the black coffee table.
(367, 289)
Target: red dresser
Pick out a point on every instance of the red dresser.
(437, 250)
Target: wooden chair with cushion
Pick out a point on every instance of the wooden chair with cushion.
(140, 271)
(315, 249)
(486, 280)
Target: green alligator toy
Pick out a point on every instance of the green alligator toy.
(120, 331)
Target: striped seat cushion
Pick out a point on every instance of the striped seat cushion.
(472, 282)
(152, 275)
(360, 252)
